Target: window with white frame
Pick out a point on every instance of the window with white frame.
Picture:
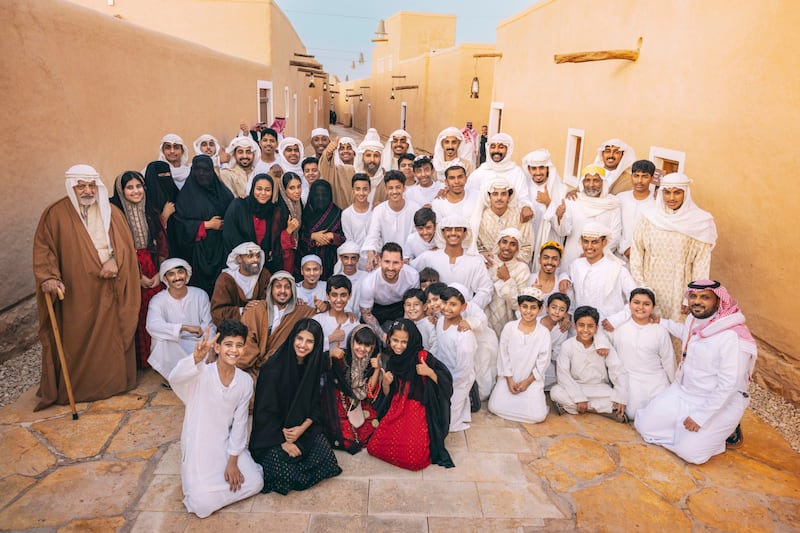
(667, 160)
(574, 156)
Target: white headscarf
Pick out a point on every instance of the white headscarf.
(688, 218)
(506, 165)
(387, 158)
(347, 247)
(319, 131)
(245, 282)
(628, 158)
(244, 142)
(89, 174)
(179, 174)
(205, 138)
(508, 232)
(594, 206)
(455, 221)
(541, 158)
(171, 263)
(342, 141)
(463, 152)
(285, 165)
(372, 141)
(498, 182)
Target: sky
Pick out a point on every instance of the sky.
(336, 32)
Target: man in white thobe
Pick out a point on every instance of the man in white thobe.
(546, 190)
(177, 317)
(700, 412)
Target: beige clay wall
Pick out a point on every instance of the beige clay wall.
(716, 81)
(255, 30)
(441, 71)
(79, 87)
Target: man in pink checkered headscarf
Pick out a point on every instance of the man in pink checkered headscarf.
(700, 412)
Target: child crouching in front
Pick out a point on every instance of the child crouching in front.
(217, 469)
(522, 361)
(588, 380)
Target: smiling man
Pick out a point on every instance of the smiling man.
(83, 249)
(599, 280)
(245, 152)
(241, 286)
(672, 244)
(450, 149)
(176, 318)
(592, 204)
(700, 412)
(392, 220)
(381, 291)
(368, 161)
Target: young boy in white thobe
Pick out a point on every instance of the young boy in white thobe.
(414, 309)
(311, 290)
(176, 317)
(337, 322)
(646, 351)
(217, 469)
(457, 347)
(522, 360)
(557, 306)
(590, 379)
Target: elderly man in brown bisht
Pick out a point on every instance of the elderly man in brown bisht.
(83, 248)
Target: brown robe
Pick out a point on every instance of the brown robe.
(228, 297)
(97, 318)
(623, 183)
(340, 177)
(261, 343)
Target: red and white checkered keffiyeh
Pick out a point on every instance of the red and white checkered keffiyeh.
(728, 316)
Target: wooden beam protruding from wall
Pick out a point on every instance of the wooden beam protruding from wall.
(602, 55)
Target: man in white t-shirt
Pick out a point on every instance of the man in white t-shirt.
(381, 291)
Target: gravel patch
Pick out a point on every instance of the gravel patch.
(22, 372)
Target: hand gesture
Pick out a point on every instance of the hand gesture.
(244, 127)
(503, 273)
(292, 224)
(691, 425)
(372, 261)
(423, 369)
(560, 210)
(321, 305)
(388, 377)
(291, 449)
(464, 325)
(336, 353)
(571, 195)
(331, 148)
(167, 211)
(54, 287)
(565, 322)
(292, 434)
(525, 214)
(197, 331)
(564, 285)
(233, 475)
(375, 362)
(602, 352)
(337, 335)
(202, 348)
(109, 270)
(543, 197)
(215, 222)
(607, 325)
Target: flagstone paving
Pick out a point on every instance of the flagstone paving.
(117, 468)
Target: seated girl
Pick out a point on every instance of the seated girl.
(413, 403)
(287, 438)
(349, 416)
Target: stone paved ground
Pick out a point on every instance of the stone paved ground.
(118, 468)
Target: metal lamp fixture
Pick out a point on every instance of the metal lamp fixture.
(474, 88)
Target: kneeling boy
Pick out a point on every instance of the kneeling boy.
(588, 380)
(217, 469)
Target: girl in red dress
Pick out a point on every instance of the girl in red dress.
(350, 418)
(413, 403)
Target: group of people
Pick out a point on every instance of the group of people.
(369, 297)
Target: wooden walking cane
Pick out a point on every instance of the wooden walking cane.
(60, 349)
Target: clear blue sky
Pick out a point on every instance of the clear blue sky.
(337, 31)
